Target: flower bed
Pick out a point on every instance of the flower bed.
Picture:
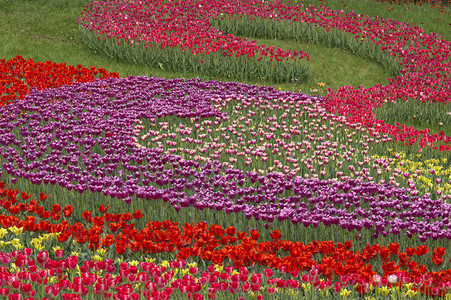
(53, 130)
(424, 58)
(277, 165)
(288, 265)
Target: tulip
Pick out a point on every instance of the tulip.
(27, 251)
(42, 256)
(268, 273)
(15, 296)
(255, 287)
(59, 253)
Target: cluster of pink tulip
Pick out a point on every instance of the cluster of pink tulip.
(68, 279)
(299, 138)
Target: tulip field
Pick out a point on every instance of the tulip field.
(223, 172)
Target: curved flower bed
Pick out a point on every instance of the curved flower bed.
(176, 24)
(50, 137)
(424, 57)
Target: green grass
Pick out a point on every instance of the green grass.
(435, 116)
(334, 67)
(47, 30)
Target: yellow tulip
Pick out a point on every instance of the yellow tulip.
(408, 286)
(165, 263)
(102, 251)
(184, 271)
(133, 263)
(345, 293)
(410, 293)
(235, 272)
(16, 231)
(97, 257)
(307, 286)
(384, 290)
(16, 244)
(36, 244)
(14, 268)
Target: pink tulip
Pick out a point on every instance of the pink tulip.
(15, 296)
(268, 273)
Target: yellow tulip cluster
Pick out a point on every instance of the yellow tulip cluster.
(36, 243)
(13, 242)
(429, 176)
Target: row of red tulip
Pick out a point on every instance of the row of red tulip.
(18, 76)
(213, 243)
